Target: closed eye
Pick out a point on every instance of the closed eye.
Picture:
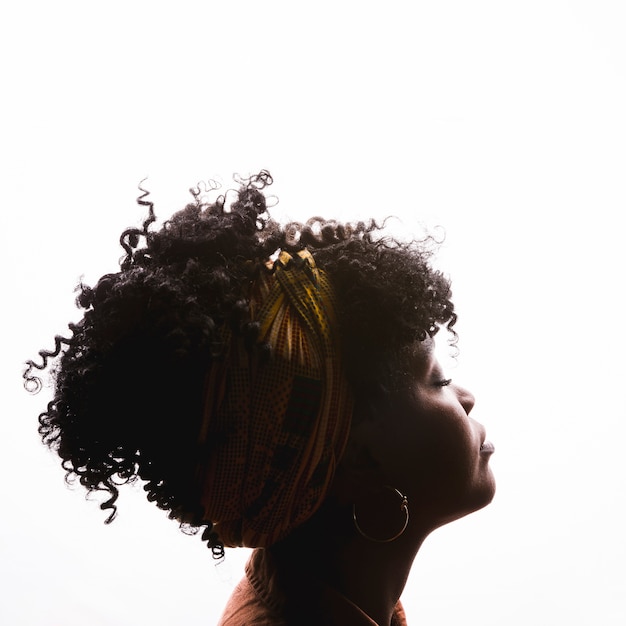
(444, 383)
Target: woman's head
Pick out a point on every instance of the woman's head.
(176, 342)
(427, 446)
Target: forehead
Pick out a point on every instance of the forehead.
(422, 349)
(420, 355)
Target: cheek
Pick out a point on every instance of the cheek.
(429, 448)
(444, 458)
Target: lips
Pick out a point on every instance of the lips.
(487, 447)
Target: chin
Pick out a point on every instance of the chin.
(478, 499)
(483, 495)
(483, 498)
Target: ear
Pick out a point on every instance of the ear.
(358, 472)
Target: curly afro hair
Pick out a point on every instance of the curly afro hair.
(128, 380)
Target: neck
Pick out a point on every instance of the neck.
(371, 575)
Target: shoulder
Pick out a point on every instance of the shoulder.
(246, 608)
(399, 616)
(252, 602)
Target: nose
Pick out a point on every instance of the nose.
(466, 398)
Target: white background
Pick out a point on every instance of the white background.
(502, 121)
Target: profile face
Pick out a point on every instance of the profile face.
(431, 449)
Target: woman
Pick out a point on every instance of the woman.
(278, 388)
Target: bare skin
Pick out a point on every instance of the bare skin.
(432, 451)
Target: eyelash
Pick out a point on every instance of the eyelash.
(444, 383)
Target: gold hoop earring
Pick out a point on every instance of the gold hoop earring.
(404, 507)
